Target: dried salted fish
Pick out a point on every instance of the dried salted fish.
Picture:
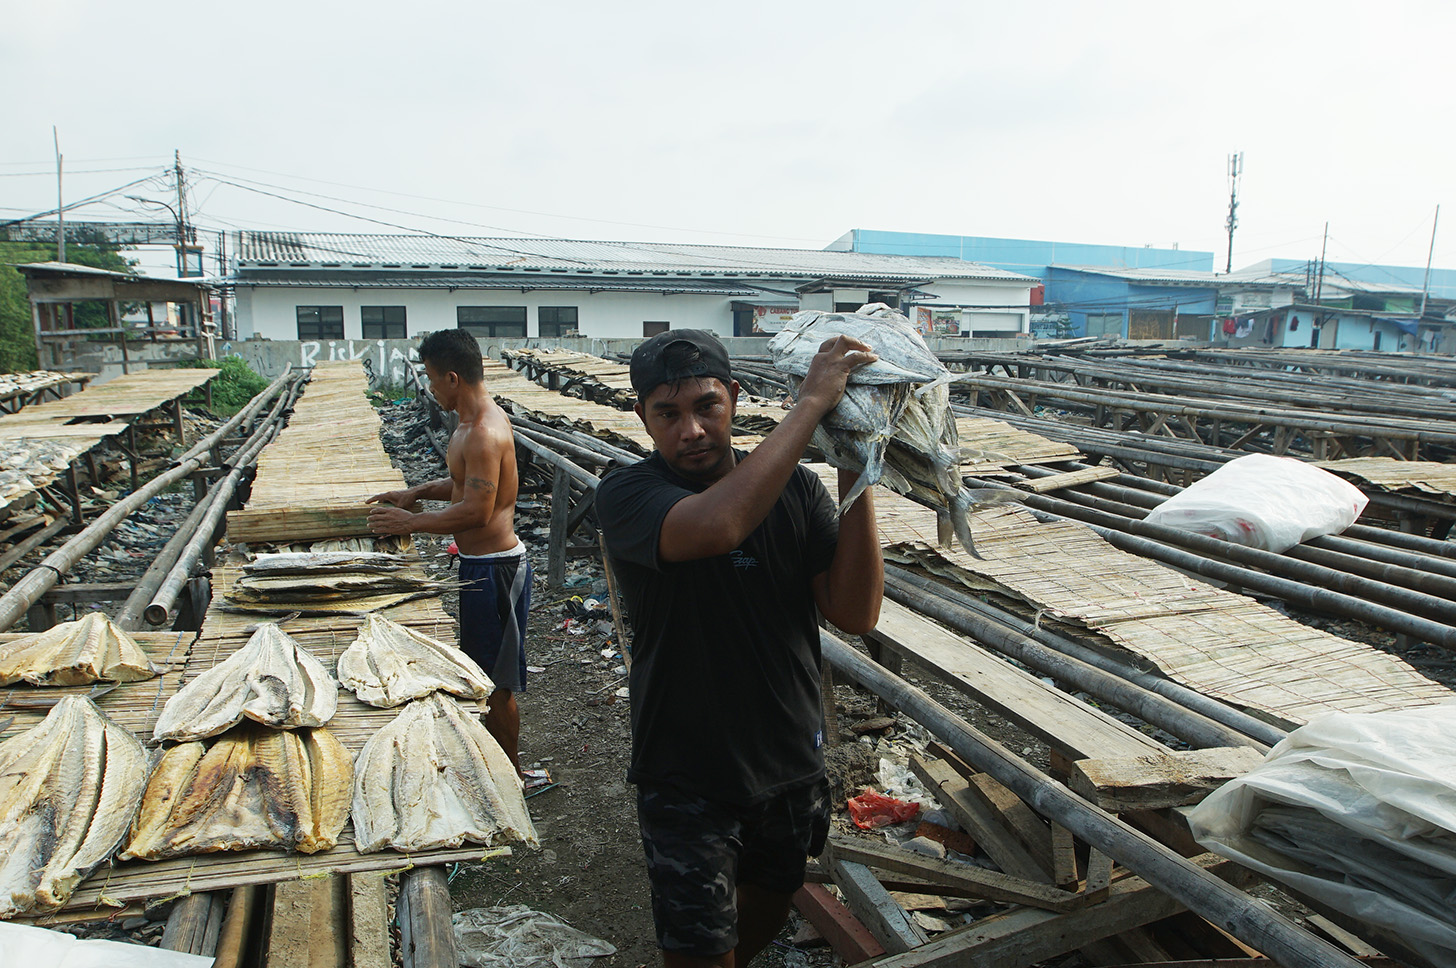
(250, 787)
(389, 664)
(93, 649)
(328, 586)
(316, 562)
(894, 423)
(271, 680)
(69, 788)
(434, 777)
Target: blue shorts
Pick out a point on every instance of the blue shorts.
(493, 619)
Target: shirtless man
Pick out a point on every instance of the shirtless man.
(481, 489)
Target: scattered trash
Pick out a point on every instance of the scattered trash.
(873, 809)
(623, 693)
(926, 847)
(514, 936)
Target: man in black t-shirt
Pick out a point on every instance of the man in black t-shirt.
(723, 557)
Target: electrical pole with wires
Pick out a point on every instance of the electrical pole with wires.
(1235, 171)
(60, 203)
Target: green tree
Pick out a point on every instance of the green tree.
(17, 330)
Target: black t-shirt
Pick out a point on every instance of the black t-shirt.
(725, 660)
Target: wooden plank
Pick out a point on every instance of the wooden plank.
(874, 907)
(953, 792)
(1099, 876)
(237, 928)
(1015, 817)
(1064, 857)
(305, 930)
(1155, 781)
(850, 939)
(991, 885)
(1025, 936)
(1061, 720)
(369, 942)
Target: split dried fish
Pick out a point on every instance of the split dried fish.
(69, 788)
(271, 680)
(251, 787)
(93, 649)
(322, 562)
(390, 663)
(434, 777)
(894, 423)
(328, 586)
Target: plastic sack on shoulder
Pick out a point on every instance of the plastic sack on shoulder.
(1271, 503)
(1357, 811)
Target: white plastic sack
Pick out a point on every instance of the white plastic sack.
(514, 936)
(1358, 811)
(21, 944)
(1272, 503)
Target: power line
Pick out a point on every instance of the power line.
(494, 208)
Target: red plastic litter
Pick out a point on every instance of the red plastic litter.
(873, 809)
(454, 549)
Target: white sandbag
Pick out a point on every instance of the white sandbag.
(1271, 503)
(1358, 811)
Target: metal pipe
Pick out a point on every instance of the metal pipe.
(1384, 574)
(585, 477)
(1327, 581)
(1318, 599)
(571, 449)
(1193, 728)
(1251, 726)
(1345, 543)
(1234, 911)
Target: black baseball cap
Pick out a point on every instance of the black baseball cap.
(678, 354)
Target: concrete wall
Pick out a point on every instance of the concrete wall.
(270, 312)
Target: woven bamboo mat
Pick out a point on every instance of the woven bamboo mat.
(988, 445)
(619, 427)
(314, 479)
(1389, 474)
(18, 384)
(1222, 644)
(125, 396)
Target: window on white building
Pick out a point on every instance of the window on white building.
(501, 321)
(557, 320)
(653, 327)
(383, 322)
(320, 322)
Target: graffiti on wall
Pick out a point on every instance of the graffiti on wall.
(390, 360)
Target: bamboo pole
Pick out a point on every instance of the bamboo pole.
(1234, 911)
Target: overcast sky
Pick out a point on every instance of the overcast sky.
(752, 123)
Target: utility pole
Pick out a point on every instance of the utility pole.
(1235, 170)
(181, 214)
(1426, 285)
(60, 205)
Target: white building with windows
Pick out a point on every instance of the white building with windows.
(316, 286)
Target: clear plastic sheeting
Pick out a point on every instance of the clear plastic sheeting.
(24, 945)
(1357, 811)
(1265, 502)
(514, 936)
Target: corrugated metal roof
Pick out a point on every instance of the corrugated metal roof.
(484, 280)
(1172, 277)
(312, 249)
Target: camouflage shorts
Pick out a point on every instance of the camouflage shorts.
(699, 851)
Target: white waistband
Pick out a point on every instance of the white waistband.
(516, 552)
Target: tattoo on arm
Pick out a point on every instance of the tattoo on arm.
(480, 484)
